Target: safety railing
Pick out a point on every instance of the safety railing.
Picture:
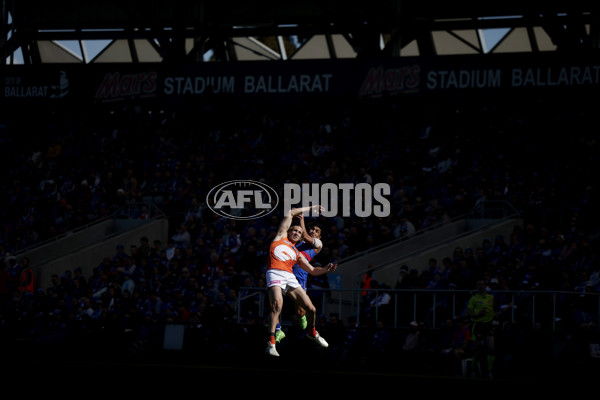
(556, 310)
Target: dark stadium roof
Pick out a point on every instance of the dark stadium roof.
(100, 31)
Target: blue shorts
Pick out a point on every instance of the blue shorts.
(301, 276)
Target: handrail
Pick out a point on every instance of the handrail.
(467, 216)
(157, 213)
(260, 295)
(435, 302)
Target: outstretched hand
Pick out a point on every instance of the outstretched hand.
(317, 210)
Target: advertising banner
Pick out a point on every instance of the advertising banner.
(104, 83)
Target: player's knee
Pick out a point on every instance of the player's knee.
(276, 306)
(310, 309)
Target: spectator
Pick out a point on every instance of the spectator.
(51, 190)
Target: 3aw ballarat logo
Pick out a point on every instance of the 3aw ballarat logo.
(242, 199)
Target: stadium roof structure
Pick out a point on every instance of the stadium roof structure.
(138, 31)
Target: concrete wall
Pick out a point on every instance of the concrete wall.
(420, 260)
(416, 251)
(86, 249)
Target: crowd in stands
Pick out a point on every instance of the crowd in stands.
(441, 160)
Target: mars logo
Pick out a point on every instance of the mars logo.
(242, 199)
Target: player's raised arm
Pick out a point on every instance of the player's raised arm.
(308, 238)
(286, 222)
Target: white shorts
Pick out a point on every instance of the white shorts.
(285, 280)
